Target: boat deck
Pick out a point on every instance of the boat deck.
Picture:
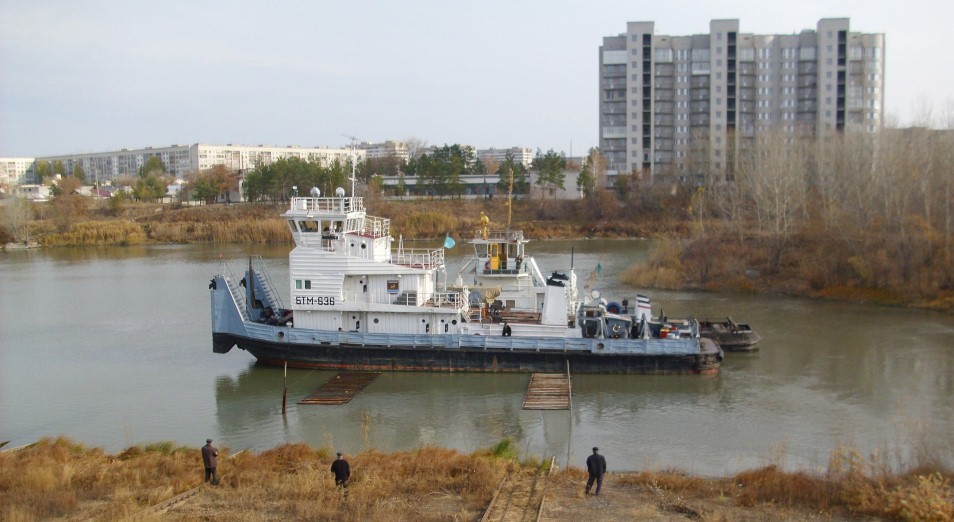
(548, 391)
(341, 388)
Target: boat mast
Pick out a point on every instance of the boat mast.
(354, 161)
(510, 200)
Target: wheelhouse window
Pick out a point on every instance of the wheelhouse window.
(303, 284)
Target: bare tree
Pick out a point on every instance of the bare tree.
(415, 147)
(775, 176)
(19, 215)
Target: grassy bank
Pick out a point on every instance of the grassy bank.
(140, 223)
(59, 479)
(909, 269)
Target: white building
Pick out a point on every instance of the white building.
(15, 171)
(678, 107)
(521, 155)
(183, 159)
(388, 149)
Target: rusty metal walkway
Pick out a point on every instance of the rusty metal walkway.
(548, 391)
(341, 388)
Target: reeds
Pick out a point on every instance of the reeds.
(99, 233)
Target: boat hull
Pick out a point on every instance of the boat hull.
(416, 358)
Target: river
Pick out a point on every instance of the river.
(111, 347)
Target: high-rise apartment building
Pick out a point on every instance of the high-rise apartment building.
(679, 107)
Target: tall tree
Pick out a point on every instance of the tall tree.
(550, 168)
(79, 173)
(153, 165)
(42, 171)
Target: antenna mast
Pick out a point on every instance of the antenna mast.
(510, 200)
(354, 161)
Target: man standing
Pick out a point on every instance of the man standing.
(507, 332)
(342, 471)
(209, 454)
(596, 466)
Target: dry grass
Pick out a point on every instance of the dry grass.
(99, 233)
(58, 479)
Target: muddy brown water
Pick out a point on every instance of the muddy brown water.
(111, 347)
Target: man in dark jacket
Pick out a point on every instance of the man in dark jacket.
(342, 471)
(596, 466)
(209, 458)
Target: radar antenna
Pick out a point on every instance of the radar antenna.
(354, 160)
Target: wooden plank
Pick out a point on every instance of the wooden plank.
(341, 388)
(547, 391)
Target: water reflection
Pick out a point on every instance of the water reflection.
(126, 345)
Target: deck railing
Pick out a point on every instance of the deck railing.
(330, 205)
(418, 257)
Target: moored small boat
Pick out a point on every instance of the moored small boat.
(731, 336)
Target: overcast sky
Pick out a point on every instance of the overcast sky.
(88, 76)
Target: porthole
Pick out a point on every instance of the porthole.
(375, 320)
(454, 321)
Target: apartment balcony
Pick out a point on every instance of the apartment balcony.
(664, 107)
(747, 94)
(699, 82)
(663, 132)
(807, 80)
(613, 84)
(746, 106)
(747, 68)
(664, 119)
(699, 120)
(699, 107)
(664, 95)
(664, 69)
(807, 106)
(807, 68)
(807, 93)
(664, 83)
(614, 132)
(699, 95)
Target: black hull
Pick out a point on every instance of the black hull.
(735, 342)
(408, 358)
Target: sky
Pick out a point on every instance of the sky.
(92, 76)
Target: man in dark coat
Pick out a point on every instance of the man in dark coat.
(342, 471)
(506, 330)
(209, 458)
(596, 466)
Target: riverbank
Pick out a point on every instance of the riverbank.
(59, 479)
(813, 263)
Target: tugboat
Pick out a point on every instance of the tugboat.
(358, 303)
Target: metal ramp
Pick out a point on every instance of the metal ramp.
(548, 391)
(341, 388)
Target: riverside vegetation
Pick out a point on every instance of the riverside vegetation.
(856, 217)
(711, 254)
(62, 480)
